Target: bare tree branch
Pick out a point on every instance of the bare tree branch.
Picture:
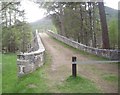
(6, 6)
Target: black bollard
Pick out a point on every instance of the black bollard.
(74, 71)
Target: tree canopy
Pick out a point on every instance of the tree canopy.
(80, 21)
(16, 32)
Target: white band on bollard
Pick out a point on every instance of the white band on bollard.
(74, 62)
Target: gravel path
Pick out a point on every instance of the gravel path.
(60, 67)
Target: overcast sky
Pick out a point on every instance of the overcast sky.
(34, 13)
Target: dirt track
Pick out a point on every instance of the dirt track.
(60, 67)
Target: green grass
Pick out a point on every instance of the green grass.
(9, 72)
(78, 85)
(0, 58)
(31, 83)
(85, 54)
(0, 73)
(110, 78)
(36, 82)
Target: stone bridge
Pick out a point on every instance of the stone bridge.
(106, 53)
(32, 59)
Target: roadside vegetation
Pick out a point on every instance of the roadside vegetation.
(36, 82)
(78, 85)
(0, 73)
(31, 83)
(88, 55)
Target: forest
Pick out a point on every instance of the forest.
(79, 21)
(16, 32)
(85, 22)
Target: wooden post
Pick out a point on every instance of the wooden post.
(74, 71)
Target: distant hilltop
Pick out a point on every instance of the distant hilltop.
(46, 21)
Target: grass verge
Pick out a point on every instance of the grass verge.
(0, 73)
(111, 78)
(9, 72)
(36, 82)
(78, 85)
(86, 54)
(31, 83)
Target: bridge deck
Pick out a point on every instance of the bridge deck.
(60, 67)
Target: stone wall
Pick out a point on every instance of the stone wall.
(106, 53)
(33, 58)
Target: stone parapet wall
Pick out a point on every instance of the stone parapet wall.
(29, 61)
(106, 53)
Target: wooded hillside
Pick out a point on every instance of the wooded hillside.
(86, 30)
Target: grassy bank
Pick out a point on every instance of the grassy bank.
(31, 83)
(85, 54)
(78, 85)
(0, 73)
(9, 73)
(36, 82)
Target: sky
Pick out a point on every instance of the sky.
(34, 13)
(32, 10)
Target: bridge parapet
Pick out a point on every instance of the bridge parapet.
(106, 53)
(32, 59)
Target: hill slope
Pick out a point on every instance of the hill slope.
(111, 13)
(41, 24)
(46, 23)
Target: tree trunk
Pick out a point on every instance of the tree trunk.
(10, 19)
(81, 26)
(62, 21)
(105, 37)
(94, 27)
(6, 18)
